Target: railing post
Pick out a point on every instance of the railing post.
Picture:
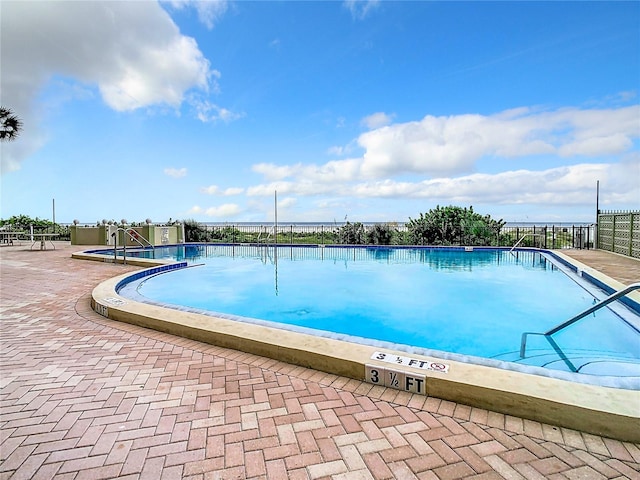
(631, 235)
(533, 241)
(613, 234)
(588, 237)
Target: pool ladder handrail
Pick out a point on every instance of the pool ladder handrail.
(523, 237)
(265, 231)
(137, 237)
(611, 298)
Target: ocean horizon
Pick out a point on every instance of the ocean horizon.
(340, 224)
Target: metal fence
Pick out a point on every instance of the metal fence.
(619, 232)
(624, 228)
(541, 236)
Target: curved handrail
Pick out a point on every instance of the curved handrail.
(127, 231)
(266, 232)
(611, 298)
(137, 237)
(523, 237)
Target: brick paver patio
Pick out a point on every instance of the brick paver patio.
(83, 397)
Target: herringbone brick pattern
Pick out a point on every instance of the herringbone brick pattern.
(83, 397)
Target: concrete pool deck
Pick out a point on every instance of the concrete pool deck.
(83, 396)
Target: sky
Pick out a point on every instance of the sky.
(369, 111)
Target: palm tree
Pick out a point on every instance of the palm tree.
(10, 125)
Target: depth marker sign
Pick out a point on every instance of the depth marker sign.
(385, 377)
(411, 362)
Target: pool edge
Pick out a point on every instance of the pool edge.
(592, 409)
(135, 261)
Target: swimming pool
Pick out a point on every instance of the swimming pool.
(451, 302)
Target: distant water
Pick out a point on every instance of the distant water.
(399, 224)
(337, 224)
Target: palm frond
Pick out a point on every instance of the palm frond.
(10, 125)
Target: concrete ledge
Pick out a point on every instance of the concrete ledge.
(593, 409)
(608, 284)
(138, 262)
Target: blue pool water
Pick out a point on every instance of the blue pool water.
(474, 303)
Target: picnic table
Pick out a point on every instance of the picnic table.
(9, 236)
(44, 238)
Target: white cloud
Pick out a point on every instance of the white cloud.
(333, 171)
(275, 172)
(336, 150)
(377, 120)
(361, 8)
(567, 185)
(211, 190)
(132, 52)
(299, 188)
(340, 150)
(448, 146)
(443, 146)
(618, 98)
(215, 190)
(225, 211)
(210, 112)
(209, 11)
(435, 159)
(287, 202)
(176, 172)
(233, 191)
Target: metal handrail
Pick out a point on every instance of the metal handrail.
(137, 237)
(127, 231)
(611, 298)
(265, 231)
(523, 237)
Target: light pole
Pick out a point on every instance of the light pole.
(595, 229)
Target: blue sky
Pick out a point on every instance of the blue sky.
(370, 111)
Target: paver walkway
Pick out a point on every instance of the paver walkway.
(83, 397)
(626, 270)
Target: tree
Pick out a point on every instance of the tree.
(24, 222)
(449, 225)
(379, 234)
(351, 234)
(194, 232)
(10, 125)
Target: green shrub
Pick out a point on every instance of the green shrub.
(453, 225)
(194, 232)
(380, 234)
(352, 234)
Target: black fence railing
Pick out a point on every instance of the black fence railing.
(549, 236)
(540, 236)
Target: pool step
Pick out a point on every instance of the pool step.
(588, 362)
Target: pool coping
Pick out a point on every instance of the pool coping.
(599, 410)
